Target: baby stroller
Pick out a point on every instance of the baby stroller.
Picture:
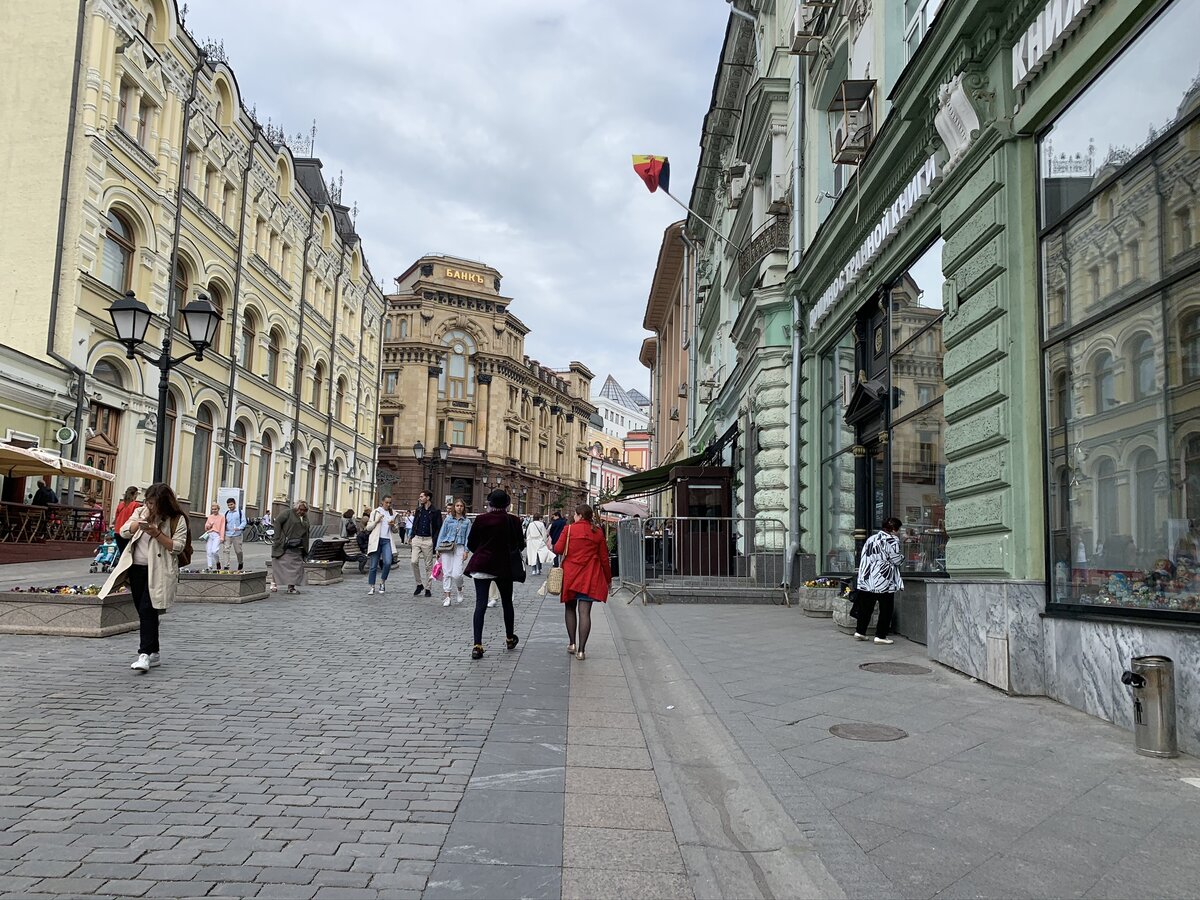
(361, 539)
(106, 556)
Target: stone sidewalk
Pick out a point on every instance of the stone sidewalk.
(986, 796)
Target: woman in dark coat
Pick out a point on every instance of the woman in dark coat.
(495, 542)
(587, 575)
(291, 547)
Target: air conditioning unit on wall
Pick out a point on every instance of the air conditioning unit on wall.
(852, 108)
(807, 29)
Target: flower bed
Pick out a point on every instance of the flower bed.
(66, 611)
(207, 586)
(323, 572)
(817, 601)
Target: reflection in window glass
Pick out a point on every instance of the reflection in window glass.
(1110, 121)
(837, 473)
(919, 489)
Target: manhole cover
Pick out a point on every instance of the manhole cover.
(895, 668)
(865, 731)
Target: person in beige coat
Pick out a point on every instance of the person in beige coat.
(381, 545)
(157, 533)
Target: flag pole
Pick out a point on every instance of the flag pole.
(701, 218)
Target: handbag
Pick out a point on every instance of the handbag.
(554, 581)
(516, 564)
(294, 544)
(436, 572)
(446, 547)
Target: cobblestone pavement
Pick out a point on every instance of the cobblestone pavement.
(338, 745)
(312, 746)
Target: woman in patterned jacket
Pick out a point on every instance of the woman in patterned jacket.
(878, 580)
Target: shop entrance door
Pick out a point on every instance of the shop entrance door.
(877, 486)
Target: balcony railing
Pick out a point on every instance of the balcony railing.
(771, 237)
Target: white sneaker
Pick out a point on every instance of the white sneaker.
(859, 637)
(458, 600)
(370, 590)
(142, 663)
(155, 661)
(491, 602)
(883, 640)
(446, 602)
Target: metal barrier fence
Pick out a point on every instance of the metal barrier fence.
(705, 555)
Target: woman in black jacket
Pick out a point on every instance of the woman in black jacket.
(495, 542)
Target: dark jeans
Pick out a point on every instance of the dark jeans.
(381, 562)
(482, 586)
(866, 607)
(139, 587)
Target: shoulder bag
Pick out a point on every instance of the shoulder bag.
(516, 558)
(554, 581)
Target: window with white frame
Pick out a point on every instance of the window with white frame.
(918, 17)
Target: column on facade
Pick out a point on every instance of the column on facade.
(431, 404)
(483, 401)
(552, 442)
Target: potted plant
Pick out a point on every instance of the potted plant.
(221, 586)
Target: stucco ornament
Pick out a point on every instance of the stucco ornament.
(957, 121)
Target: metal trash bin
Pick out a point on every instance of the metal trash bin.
(1153, 681)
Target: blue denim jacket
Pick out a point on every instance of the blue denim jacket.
(455, 530)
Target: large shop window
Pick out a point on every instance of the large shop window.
(1121, 300)
(837, 468)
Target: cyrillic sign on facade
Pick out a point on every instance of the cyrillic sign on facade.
(893, 217)
(1054, 24)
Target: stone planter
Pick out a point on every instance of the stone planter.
(67, 615)
(317, 573)
(845, 622)
(208, 587)
(817, 602)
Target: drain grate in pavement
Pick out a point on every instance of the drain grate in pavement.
(866, 731)
(895, 668)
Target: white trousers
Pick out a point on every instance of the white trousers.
(452, 570)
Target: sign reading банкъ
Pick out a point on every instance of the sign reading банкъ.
(893, 217)
(464, 275)
(1054, 24)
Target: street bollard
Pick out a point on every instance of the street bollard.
(1153, 681)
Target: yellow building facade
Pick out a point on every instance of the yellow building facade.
(455, 374)
(284, 405)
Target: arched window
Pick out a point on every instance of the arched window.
(301, 371)
(403, 328)
(1146, 521)
(266, 466)
(1191, 475)
(179, 286)
(238, 470)
(337, 483)
(1190, 339)
(458, 381)
(311, 477)
(217, 297)
(169, 451)
(201, 450)
(108, 373)
(1106, 500)
(339, 403)
(1105, 377)
(116, 256)
(318, 380)
(1061, 400)
(273, 358)
(148, 27)
(387, 329)
(1145, 379)
(249, 336)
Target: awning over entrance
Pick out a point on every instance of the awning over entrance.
(653, 480)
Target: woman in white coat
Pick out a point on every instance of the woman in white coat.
(381, 545)
(157, 533)
(537, 545)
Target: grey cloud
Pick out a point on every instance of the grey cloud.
(498, 131)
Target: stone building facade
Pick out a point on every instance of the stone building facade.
(284, 404)
(455, 373)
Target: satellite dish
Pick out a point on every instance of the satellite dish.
(65, 435)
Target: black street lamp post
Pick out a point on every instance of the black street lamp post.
(443, 451)
(130, 318)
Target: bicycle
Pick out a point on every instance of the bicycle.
(254, 531)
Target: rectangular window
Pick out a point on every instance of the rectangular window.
(227, 205)
(1123, 446)
(144, 111)
(918, 17)
(387, 430)
(389, 382)
(458, 434)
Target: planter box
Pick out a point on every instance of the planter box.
(817, 602)
(67, 615)
(206, 587)
(845, 622)
(323, 572)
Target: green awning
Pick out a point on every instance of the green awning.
(653, 479)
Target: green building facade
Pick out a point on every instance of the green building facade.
(962, 287)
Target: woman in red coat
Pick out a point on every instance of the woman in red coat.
(587, 574)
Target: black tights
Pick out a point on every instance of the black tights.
(481, 600)
(584, 608)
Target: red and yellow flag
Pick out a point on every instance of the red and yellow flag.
(654, 170)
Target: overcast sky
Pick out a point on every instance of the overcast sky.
(497, 130)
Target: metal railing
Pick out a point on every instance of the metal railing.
(703, 554)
